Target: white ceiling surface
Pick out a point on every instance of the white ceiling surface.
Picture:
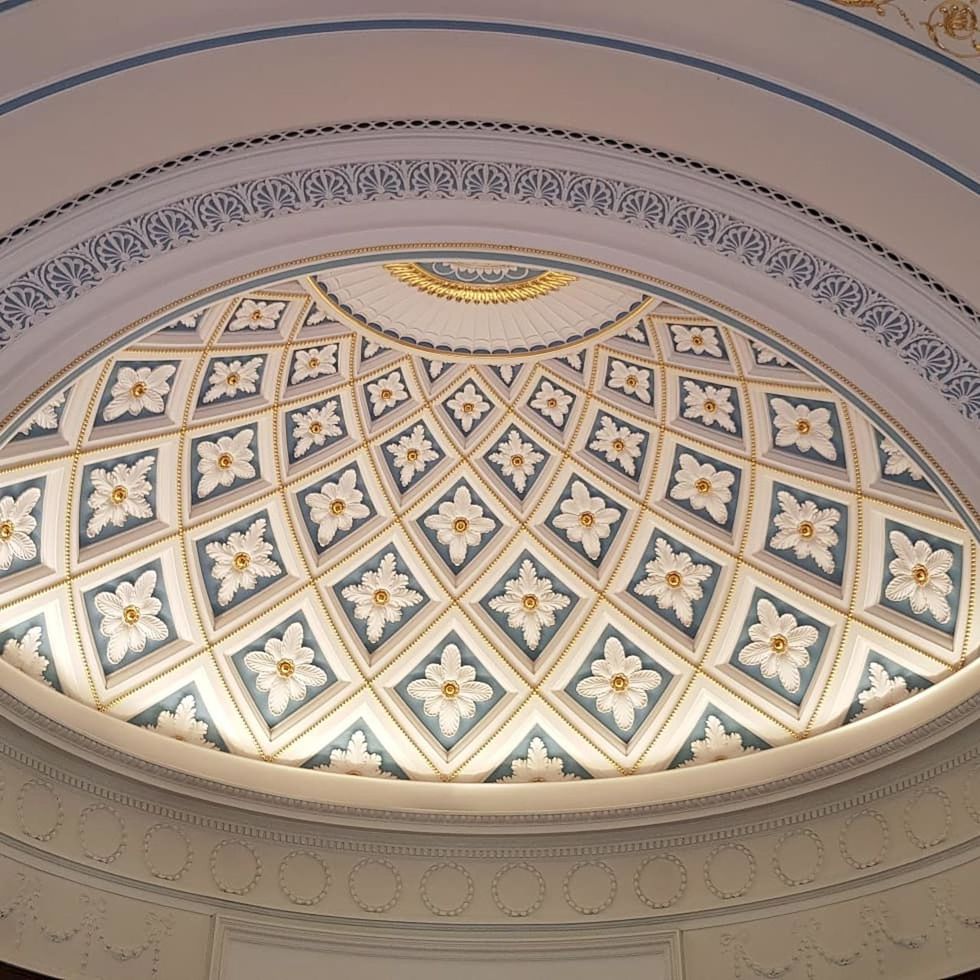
(56, 148)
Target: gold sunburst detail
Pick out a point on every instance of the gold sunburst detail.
(413, 274)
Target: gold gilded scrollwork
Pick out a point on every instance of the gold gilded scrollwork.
(880, 7)
(461, 292)
(952, 25)
(953, 28)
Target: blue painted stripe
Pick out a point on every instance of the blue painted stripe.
(494, 27)
(919, 48)
(6, 5)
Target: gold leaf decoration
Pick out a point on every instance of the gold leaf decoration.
(953, 26)
(413, 274)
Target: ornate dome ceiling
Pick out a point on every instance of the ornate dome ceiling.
(474, 517)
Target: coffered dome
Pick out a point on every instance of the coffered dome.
(473, 516)
(425, 403)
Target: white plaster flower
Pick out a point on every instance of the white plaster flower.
(314, 427)
(506, 373)
(314, 362)
(899, 461)
(635, 332)
(516, 459)
(459, 524)
(807, 529)
(356, 759)
(315, 316)
(336, 506)
(138, 390)
(256, 315)
(222, 462)
(380, 596)
(630, 380)
(620, 444)
(805, 428)
(779, 645)
(241, 561)
(695, 340)
(369, 349)
(129, 616)
(411, 454)
(16, 526)
(586, 519)
(717, 744)
(919, 575)
(25, 654)
(766, 355)
(704, 487)
(709, 405)
(230, 378)
(530, 603)
(468, 406)
(674, 581)
(574, 361)
(118, 495)
(450, 690)
(619, 683)
(436, 368)
(552, 402)
(285, 669)
(386, 393)
(538, 767)
(183, 724)
(883, 692)
(46, 417)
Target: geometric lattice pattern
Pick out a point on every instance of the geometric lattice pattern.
(663, 544)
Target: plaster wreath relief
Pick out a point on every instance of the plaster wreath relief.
(946, 823)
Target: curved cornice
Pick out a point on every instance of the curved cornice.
(622, 45)
(872, 832)
(802, 783)
(105, 192)
(37, 292)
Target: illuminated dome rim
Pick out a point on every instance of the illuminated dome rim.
(742, 323)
